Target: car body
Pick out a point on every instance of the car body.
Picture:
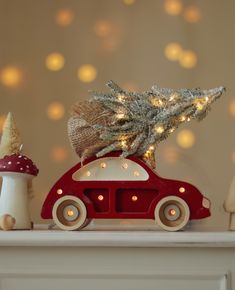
(112, 187)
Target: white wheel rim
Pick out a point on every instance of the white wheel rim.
(179, 216)
(69, 213)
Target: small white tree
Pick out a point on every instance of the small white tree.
(10, 141)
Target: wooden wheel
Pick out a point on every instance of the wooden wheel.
(172, 213)
(69, 213)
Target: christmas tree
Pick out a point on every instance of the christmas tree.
(135, 122)
(10, 141)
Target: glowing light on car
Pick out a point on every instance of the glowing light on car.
(136, 173)
(59, 191)
(134, 198)
(70, 212)
(100, 197)
(125, 165)
(103, 165)
(182, 189)
(88, 173)
(172, 212)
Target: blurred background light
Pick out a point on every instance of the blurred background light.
(173, 51)
(185, 138)
(171, 154)
(55, 111)
(232, 108)
(55, 61)
(192, 14)
(188, 59)
(11, 76)
(2, 120)
(103, 28)
(87, 73)
(128, 2)
(173, 7)
(59, 154)
(64, 17)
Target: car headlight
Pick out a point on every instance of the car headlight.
(206, 203)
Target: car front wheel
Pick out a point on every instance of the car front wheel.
(69, 213)
(172, 213)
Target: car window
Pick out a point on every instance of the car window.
(111, 168)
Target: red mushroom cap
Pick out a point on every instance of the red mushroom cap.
(18, 163)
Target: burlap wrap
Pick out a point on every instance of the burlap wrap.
(83, 137)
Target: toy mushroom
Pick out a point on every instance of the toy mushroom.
(17, 172)
(229, 205)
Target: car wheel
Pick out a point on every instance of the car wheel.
(69, 213)
(172, 213)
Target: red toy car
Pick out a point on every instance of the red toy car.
(112, 187)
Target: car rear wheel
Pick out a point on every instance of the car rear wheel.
(69, 213)
(172, 213)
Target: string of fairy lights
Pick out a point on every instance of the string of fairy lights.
(11, 76)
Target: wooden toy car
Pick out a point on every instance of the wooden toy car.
(112, 187)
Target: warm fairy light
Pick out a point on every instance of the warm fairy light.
(87, 73)
(100, 197)
(128, 2)
(173, 51)
(125, 165)
(70, 212)
(124, 143)
(2, 121)
(172, 212)
(121, 98)
(103, 28)
(173, 7)
(182, 118)
(55, 111)
(206, 99)
(156, 102)
(188, 59)
(186, 138)
(232, 108)
(151, 148)
(199, 105)
(88, 173)
(192, 14)
(159, 129)
(120, 116)
(11, 76)
(136, 173)
(103, 165)
(172, 130)
(64, 17)
(59, 191)
(59, 154)
(188, 119)
(55, 61)
(182, 189)
(134, 198)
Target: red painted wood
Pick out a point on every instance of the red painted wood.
(117, 200)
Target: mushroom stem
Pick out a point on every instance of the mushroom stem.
(14, 199)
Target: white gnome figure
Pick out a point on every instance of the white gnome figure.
(17, 172)
(229, 205)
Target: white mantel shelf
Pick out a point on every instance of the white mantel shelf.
(151, 239)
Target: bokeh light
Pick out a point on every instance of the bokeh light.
(232, 108)
(59, 153)
(2, 121)
(192, 14)
(55, 61)
(173, 51)
(185, 138)
(87, 73)
(55, 111)
(188, 59)
(171, 154)
(64, 17)
(103, 28)
(11, 76)
(128, 2)
(173, 7)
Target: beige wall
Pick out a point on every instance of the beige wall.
(28, 33)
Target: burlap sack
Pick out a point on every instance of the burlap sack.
(83, 137)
